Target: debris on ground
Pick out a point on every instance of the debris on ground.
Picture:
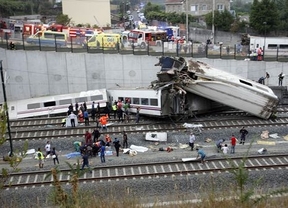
(274, 136)
(265, 134)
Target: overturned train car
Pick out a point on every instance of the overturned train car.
(222, 87)
(163, 102)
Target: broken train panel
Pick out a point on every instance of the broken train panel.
(220, 86)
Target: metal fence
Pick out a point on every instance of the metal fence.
(177, 48)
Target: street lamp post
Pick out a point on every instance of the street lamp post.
(213, 25)
(264, 48)
(7, 114)
(187, 19)
(187, 23)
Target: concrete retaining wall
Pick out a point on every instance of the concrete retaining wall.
(41, 73)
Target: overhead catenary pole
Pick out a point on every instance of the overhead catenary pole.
(7, 114)
(187, 23)
(213, 25)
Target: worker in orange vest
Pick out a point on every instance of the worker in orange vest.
(103, 121)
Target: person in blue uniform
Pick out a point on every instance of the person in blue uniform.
(201, 154)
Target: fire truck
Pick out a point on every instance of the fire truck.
(5, 33)
(31, 29)
(140, 38)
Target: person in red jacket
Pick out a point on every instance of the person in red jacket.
(88, 138)
(233, 143)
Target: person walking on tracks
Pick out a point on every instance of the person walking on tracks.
(191, 141)
(85, 158)
(40, 157)
(243, 133)
(233, 143)
(125, 140)
(54, 156)
(117, 146)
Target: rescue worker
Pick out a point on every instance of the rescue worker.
(103, 121)
(117, 146)
(114, 109)
(40, 157)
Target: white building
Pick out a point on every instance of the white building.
(93, 12)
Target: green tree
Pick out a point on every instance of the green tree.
(222, 20)
(264, 16)
(11, 7)
(63, 19)
(282, 7)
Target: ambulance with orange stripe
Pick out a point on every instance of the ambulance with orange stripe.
(105, 41)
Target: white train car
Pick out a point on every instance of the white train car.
(272, 45)
(222, 87)
(231, 90)
(55, 104)
(162, 102)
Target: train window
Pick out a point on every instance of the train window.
(49, 104)
(154, 102)
(135, 101)
(272, 46)
(120, 98)
(80, 99)
(144, 101)
(283, 46)
(12, 108)
(127, 99)
(33, 105)
(96, 97)
(64, 102)
(244, 82)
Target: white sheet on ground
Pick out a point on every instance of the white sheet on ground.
(189, 159)
(30, 151)
(187, 125)
(138, 148)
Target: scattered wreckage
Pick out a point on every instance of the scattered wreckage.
(197, 78)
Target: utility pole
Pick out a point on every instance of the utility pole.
(7, 113)
(213, 24)
(187, 23)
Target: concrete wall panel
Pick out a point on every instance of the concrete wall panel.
(76, 71)
(35, 73)
(95, 68)
(57, 73)
(37, 70)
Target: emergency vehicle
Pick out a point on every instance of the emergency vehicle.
(5, 33)
(140, 38)
(31, 29)
(172, 32)
(48, 38)
(104, 41)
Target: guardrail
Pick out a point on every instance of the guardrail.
(152, 48)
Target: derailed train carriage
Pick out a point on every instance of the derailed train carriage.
(162, 102)
(199, 78)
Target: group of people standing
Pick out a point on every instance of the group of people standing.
(120, 110)
(48, 152)
(220, 144)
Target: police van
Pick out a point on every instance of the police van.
(104, 41)
(48, 38)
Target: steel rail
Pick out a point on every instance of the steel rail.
(261, 163)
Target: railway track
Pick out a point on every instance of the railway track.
(116, 128)
(56, 121)
(150, 170)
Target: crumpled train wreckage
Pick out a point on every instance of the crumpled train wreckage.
(194, 85)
